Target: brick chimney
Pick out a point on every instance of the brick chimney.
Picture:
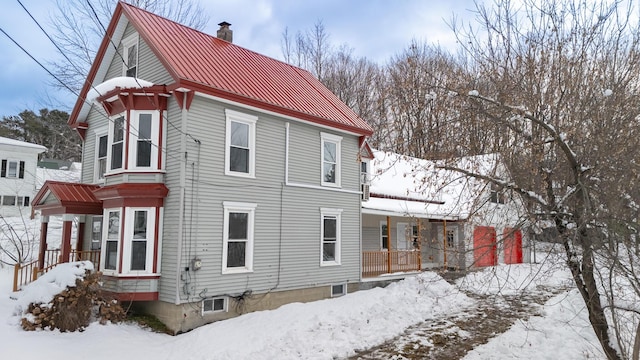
(224, 32)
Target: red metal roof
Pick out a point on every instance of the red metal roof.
(204, 63)
(72, 198)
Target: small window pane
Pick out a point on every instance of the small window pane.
(238, 224)
(8, 200)
(329, 172)
(118, 129)
(27, 201)
(132, 55)
(102, 146)
(143, 157)
(111, 255)
(114, 225)
(138, 255)
(140, 225)
(144, 129)
(236, 254)
(239, 160)
(329, 251)
(330, 228)
(329, 151)
(116, 156)
(239, 134)
(218, 304)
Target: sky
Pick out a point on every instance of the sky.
(375, 29)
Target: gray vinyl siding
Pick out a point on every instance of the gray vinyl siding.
(98, 121)
(287, 247)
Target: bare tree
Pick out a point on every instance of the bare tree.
(79, 26)
(555, 87)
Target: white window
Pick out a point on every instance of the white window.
(23, 201)
(9, 200)
(116, 140)
(112, 238)
(330, 236)
(139, 240)
(338, 290)
(384, 235)
(102, 144)
(143, 144)
(12, 169)
(330, 170)
(130, 56)
(237, 250)
(214, 305)
(240, 148)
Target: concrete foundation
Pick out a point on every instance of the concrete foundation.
(188, 316)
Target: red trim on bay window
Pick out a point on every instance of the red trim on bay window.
(121, 245)
(160, 130)
(156, 241)
(126, 140)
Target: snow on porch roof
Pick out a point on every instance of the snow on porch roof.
(70, 198)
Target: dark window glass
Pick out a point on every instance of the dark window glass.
(236, 254)
(111, 255)
(329, 238)
(102, 146)
(143, 157)
(138, 255)
(238, 223)
(8, 200)
(140, 225)
(329, 251)
(118, 129)
(27, 201)
(116, 156)
(239, 160)
(218, 304)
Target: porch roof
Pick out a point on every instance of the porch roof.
(406, 208)
(56, 197)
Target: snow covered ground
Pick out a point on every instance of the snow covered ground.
(324, 329)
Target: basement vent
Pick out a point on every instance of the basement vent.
(338, 290)
(214, 305)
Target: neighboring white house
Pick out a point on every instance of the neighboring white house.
(18, 175)
(412, 205)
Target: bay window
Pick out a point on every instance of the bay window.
(139, 146)
(136, 236)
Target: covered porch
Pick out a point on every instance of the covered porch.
(404, 235)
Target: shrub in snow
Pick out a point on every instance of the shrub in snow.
(80, 301)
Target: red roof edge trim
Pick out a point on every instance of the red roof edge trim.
(271, 107)
(106, 42)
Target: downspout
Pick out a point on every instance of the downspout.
(286, 153)
(183, 176)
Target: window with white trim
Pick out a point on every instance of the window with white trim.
(102, 141)
(384, 235)
(330, 162)
(9, 200)
(130, 56)
(112, 239)
(116, 141)
(330, 243)
(237, 239)
(12, 169)
(143, 149)
(240, 146)
(214, 305)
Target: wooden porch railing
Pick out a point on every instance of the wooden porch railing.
(23, 274)
(376, 263)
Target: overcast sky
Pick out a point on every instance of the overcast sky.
(373, 28)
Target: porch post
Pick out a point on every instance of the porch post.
(80, 235)
(389, 244)
(44, 224)
(65, 247)
(419, 222)
(444, 243)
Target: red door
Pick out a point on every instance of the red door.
(485, 249)
(512, 246)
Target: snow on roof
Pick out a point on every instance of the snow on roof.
(12, 142)
(123, 82)
(437, 193)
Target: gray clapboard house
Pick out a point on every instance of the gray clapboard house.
(215, 180)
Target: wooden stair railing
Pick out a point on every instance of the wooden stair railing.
(23, 274)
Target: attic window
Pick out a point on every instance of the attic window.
(497, 195)
(130, 56)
